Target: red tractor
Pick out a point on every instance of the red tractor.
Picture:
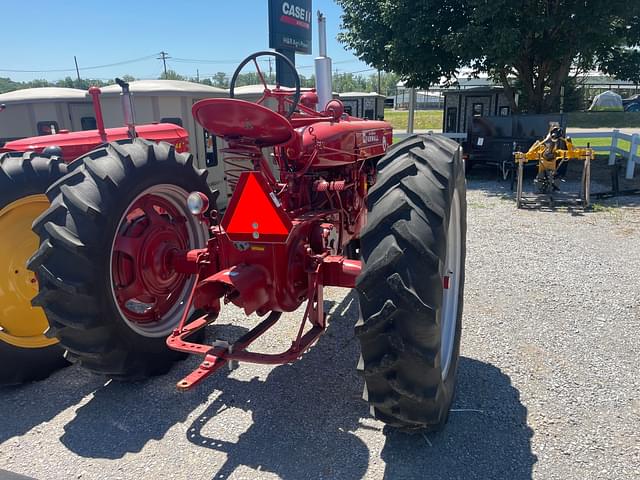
(27, 168)
(135, 260)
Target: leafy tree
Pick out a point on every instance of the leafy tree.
(541, 44)
(220, 80)
(8, 85)
(172, 75)
(35, 84)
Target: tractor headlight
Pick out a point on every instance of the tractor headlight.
(197, 203)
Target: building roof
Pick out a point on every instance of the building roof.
(251, 89)
(43, 94)
(473, 90)
(360, 94)
(471, 82)
(166, 87)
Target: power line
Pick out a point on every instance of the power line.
(227, 62)
(93, 67)
(160, 56)
(195, 60)
(124, 62)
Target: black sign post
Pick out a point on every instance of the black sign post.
(289, 32)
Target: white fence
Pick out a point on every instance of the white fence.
(615, 135)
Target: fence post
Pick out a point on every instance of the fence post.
(631, 163)
(412, 107)
(614, 146)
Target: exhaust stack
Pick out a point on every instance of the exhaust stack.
(95, 96)
(324, 87)
(127, 108)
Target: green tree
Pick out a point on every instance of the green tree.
(67, 82)
(388, 83)
(220, 80)
(172, 75)
(541, 44)
(8, 85)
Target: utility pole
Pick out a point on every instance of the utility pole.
(198, 75)
(163, 56)
(379, 83)
(77, 69)
(270, 70)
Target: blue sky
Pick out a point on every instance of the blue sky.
(51, 33)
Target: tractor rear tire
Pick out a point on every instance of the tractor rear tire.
(411, 286)
(123, 194)
(25, 353)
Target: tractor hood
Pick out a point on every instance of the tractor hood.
(75, 144)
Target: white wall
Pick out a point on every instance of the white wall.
(15, 122)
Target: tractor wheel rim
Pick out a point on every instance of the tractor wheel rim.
(451, 286)
(21, 325)
(148, 293)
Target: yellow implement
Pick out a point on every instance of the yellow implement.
(552, 153)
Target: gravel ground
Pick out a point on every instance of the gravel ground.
(547, 387)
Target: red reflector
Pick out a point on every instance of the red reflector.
(445, 283)
(253, 214)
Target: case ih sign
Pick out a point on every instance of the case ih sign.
(290, 25)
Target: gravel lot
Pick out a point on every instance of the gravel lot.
(548, 384)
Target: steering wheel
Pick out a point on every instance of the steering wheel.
(267, 91)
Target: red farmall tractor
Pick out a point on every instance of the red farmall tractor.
(135, 260)
(27, 168)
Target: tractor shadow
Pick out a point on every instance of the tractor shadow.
(486, 437)
(26, 406)
(307, 420)
(122, 418)
(302, 416)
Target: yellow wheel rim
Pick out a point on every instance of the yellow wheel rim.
(21, 325)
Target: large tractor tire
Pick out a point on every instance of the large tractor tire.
(106, 286)
(411, 286)
(25, 353)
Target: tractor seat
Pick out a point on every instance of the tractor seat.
(231, 118)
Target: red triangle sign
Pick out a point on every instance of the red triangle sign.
(254, 213)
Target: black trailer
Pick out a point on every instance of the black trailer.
(493, 132)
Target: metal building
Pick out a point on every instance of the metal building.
(41, 111)
(363, 105)
(166, 101)
(462, 105)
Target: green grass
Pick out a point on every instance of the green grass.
(432, 119)
(424, 119)
(602, 142)
(599, 207)
(603, 119)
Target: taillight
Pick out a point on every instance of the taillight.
(182, 146)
